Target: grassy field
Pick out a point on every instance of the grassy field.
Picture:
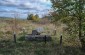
(70, 46)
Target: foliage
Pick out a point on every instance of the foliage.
(70, 12)
(33, 17)
(36, 48)
(22, 38)
(8, 47)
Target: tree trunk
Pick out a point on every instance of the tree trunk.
(80, 26)
(81, 38)
(83, 44)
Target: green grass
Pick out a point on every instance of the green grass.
(37, 48)
(8, 47)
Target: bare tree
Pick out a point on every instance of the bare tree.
(15, 22)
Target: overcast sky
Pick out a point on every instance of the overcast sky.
(24, 7)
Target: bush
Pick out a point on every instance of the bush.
(33, 17)
(22, 38)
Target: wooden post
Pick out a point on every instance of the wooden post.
(61, 39)
(61, 49)
(14, 37)
(24, 32)
(45, 39)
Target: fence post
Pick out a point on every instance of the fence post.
(45, 39)
(14, 37)
(61, 49)
(24, 32)
(61, 39)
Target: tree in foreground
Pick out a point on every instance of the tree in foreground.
(72, 13)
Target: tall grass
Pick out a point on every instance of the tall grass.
(70, 46)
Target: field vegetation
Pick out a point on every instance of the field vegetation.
(70, 45)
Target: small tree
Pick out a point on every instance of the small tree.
(71, 12)
(30, 17)
(33, 17)
(36, 16)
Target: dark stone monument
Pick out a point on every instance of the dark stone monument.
(38, 38)
(35, 36)
(35, 32)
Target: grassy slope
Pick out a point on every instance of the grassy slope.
(7, 47)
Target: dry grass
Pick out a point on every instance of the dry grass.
(7, 47)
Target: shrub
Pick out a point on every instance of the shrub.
(33, 17)
(22, 38)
